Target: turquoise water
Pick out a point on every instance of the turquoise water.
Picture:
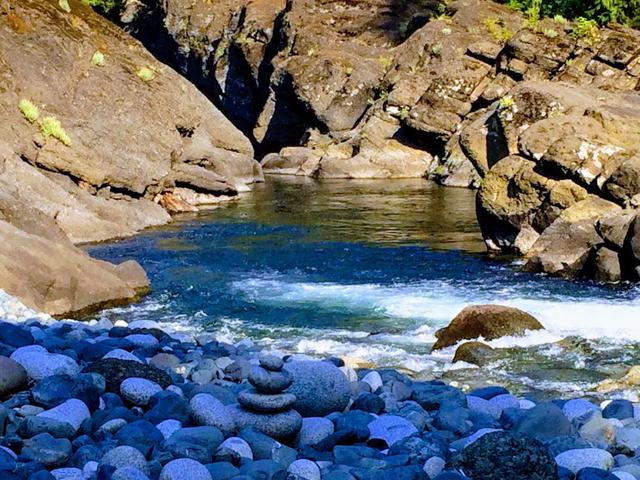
(369, 269)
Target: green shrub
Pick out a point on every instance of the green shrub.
(29, 110)
(497, 30)
(104, 5)
(586, 30)
(601, 11)
(51, 127)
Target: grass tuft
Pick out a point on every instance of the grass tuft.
(146, 74)
(51, 127)
(29, 110)
(98, 59)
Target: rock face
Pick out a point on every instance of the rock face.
(566, 196)
(95, 137)
(373, 90)
(487, 321)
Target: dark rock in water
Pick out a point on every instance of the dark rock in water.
(487, 393)
(12, 376)
(266, 381)
(543, 422)
(476, 353)
(320, 388)
(281, 426)
(431, 395)
(115, 371)
(49, 451)
(54, 390)
(141, 435)
(591, 473)
(619, 409)
(266, 448)
(368, 402)
(222, 470)
(15, 335)
(34, 425)
(263, 470)
(487, 321)
(197, 443)
(266, 403)
(506, 455)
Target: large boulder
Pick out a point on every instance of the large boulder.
(75, 167)
(486, 321)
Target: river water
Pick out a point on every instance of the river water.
(371, 269)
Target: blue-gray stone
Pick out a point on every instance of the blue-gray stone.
(185, 469)
(543, 422)
(281, 426)
(222, 470)
(197, 443)
(141, 434)
(431, 395)
(49, 451)
(619, 409)
(320, 388)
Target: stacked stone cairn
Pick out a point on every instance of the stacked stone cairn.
(267, 406)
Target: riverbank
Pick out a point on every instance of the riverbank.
(131, 401)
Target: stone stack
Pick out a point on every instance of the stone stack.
(267, 407)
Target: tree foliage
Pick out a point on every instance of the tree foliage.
(602, 11)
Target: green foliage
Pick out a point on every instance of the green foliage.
(601, 11)
(104, 5)
(29, 110)
(586, 30)
(51, 127)
(498, 30)
(146, 74)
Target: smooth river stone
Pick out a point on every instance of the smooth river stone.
(269, 382)
(253, 400)
(271, 362)
(281, 426)
(12, 376)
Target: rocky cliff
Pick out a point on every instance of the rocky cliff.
(97, 140)
(542, 115)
